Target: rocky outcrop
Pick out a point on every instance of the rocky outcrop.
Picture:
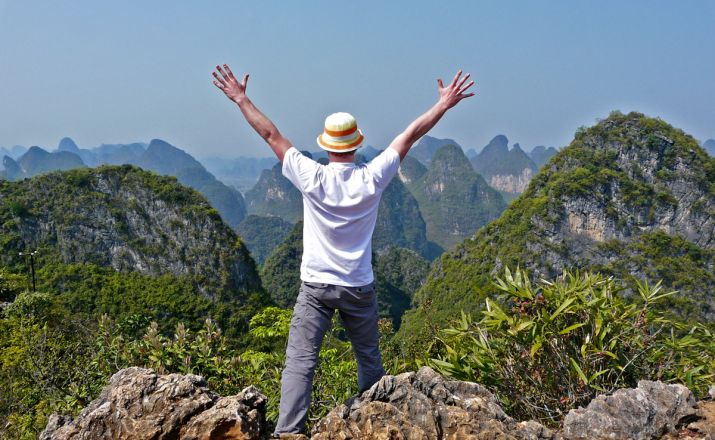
(649, 411)
(140, 404)
(164, 158)
(423, 405)
(511, 183)
(509, 171)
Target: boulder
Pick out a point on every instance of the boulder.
(423, 405)
(650, 411)
(140, 404)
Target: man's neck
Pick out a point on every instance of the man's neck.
(341, 158)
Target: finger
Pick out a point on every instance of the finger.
(462, 81)
(228, 71)
(439, 83)
(468, 95)
(471, 83)
(245, 80)
(218, 84)
(221, 80)
(220, 70)
(456, 77)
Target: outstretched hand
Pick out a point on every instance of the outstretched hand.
(454, 92)
(229, 85)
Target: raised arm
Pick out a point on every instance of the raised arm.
(236, 91)
(448, 97)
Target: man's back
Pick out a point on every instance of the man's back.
(340, 202)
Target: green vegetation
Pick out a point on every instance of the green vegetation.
(400, 223)
(262, 234)
(281, 270)
(603, 174)
(548, 347)
(128, 219)
(56, 363)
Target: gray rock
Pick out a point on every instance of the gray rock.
(140, 404)
(649, 411)
(423, 405)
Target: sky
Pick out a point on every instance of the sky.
(120, 72)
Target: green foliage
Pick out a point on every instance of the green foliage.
(43, 356)
(398, 273)
(54, 363)
(400, 222)
(117, 233)
(280, 272)
(551, 346)
(88, 291)
(11, 284)
(263, 234)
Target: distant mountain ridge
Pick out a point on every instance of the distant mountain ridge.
(158, 156)
(507, 170)
(540, 154)
(427, 146)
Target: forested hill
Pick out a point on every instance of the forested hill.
(125, 218)
(631, 196)
(454, 200)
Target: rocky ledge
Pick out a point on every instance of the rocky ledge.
(140, 404)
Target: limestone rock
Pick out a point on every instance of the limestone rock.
(649, 411)
(140, 404)
(423, 405)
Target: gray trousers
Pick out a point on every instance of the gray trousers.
(312, 316)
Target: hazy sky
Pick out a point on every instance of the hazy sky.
(109, 72)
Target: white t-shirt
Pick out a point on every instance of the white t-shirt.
(340, 202)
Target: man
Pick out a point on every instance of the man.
(340, 202)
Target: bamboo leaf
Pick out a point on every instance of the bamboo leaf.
(579, 371)
(562, 307)
(571, 328)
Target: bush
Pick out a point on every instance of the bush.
(548, 347)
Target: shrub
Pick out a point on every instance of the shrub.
(548, 347)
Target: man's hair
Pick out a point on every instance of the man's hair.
(344, 154)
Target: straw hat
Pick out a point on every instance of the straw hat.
(340, 134)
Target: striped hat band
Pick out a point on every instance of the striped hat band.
(340, 134)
